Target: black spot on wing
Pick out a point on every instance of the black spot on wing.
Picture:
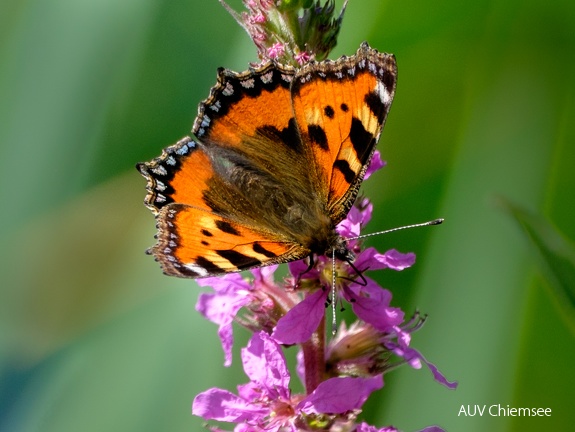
(258, 248)
(375, 105)
(317, 135)
(344, 107)
(388, 79)
(288, 136)
(343, 167)
(328, 111)
(227, 227)
(206, 233)
(205, 243)
(209, 266)
(185, 271)
(238, 259)
(361, 140)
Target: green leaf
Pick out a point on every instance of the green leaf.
(556, 256)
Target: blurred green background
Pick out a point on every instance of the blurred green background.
(94, 338)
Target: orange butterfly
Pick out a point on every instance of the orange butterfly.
(278, 161)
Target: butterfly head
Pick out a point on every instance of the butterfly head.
(341, 250)
(332, 244)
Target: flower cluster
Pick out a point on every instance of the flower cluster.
(339, 374)
(290, 31)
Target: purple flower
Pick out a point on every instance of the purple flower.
(303, 30)
(398, 343)
(375, 164)
(263, 301)
(370, 302)
(231, 294)
(276, 50)
(364, 349)
(302, 57)
(266, 401)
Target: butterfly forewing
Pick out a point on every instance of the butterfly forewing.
(180, 175)
(341, 107)
(250, 113)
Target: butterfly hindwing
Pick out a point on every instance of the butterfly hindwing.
(340, 107)
(196, 243)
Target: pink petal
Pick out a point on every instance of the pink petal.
(374, 165)
(232, 282)
(338, 395)
(264, 275)
(250, 391)
(264, 363)
(371, 259)
(371, 304)
(226, 335)
(218, 404)
(302, 320)
(414, 359)
(351, 225)
(299, 268)
(367, 210)
(221, 309)
(300, 366)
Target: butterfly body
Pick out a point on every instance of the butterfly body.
(279, 157)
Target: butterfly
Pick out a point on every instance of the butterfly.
(277, 160)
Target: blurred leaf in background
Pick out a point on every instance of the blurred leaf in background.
(93, 337)
(556, 258)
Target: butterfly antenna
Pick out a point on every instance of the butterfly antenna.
(432, 222)
(333, 314)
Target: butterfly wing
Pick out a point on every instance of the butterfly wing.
(196, 243)
(341, 107)
(226, 203)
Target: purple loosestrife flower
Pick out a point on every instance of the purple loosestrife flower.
(290, 31)
(363, 350)
(264, 302)
(266, 402)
